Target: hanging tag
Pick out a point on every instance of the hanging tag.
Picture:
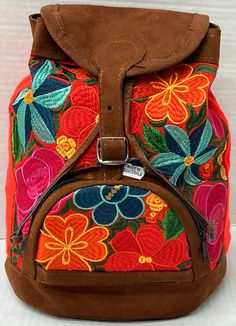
(133, 171)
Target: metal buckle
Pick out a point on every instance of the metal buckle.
(110, 162)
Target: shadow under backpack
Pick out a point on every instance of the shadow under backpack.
(117, 185)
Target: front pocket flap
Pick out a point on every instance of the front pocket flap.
(113, 228)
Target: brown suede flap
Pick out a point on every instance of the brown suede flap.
(167, 37)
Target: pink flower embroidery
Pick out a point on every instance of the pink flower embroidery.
(32, 178)
(210, 199)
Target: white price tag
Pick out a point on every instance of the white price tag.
(133, 171)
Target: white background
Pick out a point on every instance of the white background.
(15, 43)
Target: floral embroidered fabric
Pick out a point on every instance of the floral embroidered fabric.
(108, 228)
(178, 125)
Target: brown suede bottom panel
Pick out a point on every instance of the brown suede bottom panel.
(119, 303)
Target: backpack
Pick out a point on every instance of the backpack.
(117, 186)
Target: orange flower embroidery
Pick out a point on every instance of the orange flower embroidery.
(68, 244)
(176, 87)
(156, 208)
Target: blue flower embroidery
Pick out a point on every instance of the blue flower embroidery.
(108, 202)
(33, 106)
(186, 154)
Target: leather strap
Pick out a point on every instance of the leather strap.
(113, 61)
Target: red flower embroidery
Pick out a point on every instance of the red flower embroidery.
(175, 88)
(82, 117)
(147, 250)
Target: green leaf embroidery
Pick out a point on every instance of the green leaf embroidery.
(140, 100)
(195, 119)
(91, 82)
(71, 76)
(172, 226)
(149, 154)
(17, 148)
(157, 124)
(155, 139)
(206, 68)
(183, 266)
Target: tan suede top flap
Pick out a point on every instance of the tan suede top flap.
(167, 37)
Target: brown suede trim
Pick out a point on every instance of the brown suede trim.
(168, 37)
(200, 267)
(45, 46)
(113, 60)
(117, 303)
(110, 279)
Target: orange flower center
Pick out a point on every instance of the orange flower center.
(188, 160)
(66, 146)
(28, 97)
(143, 259)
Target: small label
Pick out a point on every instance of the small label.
(133, 171)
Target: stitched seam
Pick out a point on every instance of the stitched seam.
(183, 42)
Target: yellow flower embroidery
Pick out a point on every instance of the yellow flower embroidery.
(223, 172)
(66, 147)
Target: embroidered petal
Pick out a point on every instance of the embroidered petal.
(131, 207)
(42, 124)
(205, 157)
(41, 75)
(20, 97)
(170, 255)
(180, 140)
(150, 238)
(90, 245)
(50, 85)
(78, 121)
(24, 123)
(164, 159)
(176, 174)
(54, 99)
(169, 169)
(205, 138)
(105, 214)
(56, 225)
(126, 261)
(137, 191)
(195, 93)
(190, 178)
(177, 111)
(125, 241)
(88, 197)
(154, 108)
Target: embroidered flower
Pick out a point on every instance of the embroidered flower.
(66, 147)
(147, 250)
(175, 88)
(156, 208)
(220, 158)
(32, 178)
(33, 106)
(186, 154)
(68, 244)
(206, 169)
(82, 117)
(107, 202)
(210, 199)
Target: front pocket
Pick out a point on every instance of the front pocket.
(112, 228)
